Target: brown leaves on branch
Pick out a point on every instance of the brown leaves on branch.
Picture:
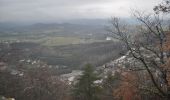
(128, 89)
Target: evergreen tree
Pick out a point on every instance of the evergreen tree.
(86, 88)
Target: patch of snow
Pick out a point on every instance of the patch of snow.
(70, 77)
(98, 81)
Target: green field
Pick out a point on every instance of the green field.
(55, 41)
(49, 40)
(44, 40)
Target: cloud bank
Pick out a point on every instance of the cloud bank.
(57, 10)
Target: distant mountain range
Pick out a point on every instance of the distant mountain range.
(81, 26)
(63, 29)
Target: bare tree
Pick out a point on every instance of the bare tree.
(146, 46)
(163, 7)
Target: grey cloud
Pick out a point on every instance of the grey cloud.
(54, 10)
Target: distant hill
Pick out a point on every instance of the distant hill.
(72, 26)
(64, 29)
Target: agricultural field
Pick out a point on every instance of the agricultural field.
(49, 40)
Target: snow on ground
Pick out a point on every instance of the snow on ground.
(70, 77)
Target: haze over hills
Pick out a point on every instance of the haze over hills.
(95, 28)
(84, 50)
(58, 28)
(62, 44)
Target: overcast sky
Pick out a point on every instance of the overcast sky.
(56, 10)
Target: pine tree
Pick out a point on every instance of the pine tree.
(85, 88)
